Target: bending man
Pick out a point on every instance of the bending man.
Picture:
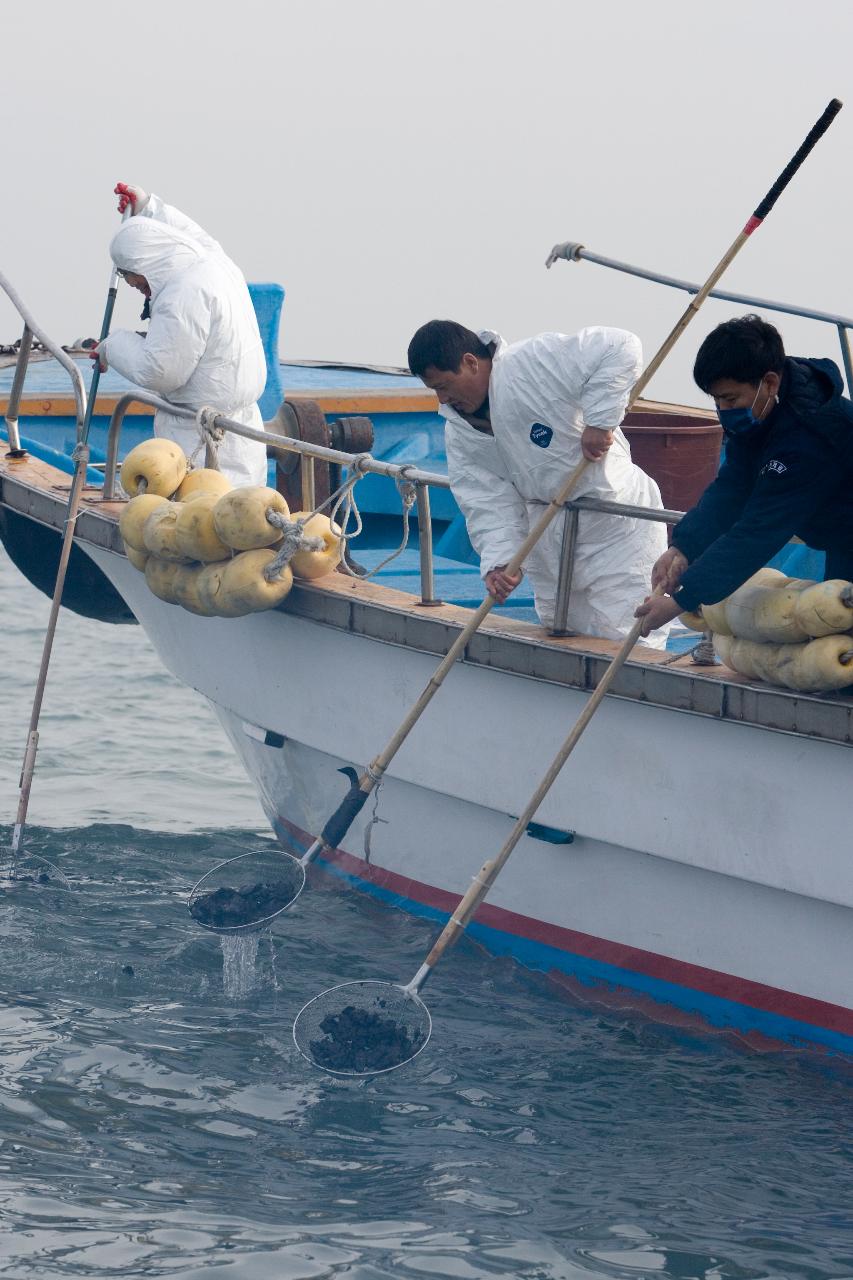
(519, 418)
(786, 473)
(203, 345)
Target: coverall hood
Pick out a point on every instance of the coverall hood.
(154, 250)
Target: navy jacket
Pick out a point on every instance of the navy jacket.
(790, 475)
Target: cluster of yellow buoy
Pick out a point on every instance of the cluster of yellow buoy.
(205, 545)
(788, 631)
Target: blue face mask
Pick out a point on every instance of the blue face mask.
(736, 421)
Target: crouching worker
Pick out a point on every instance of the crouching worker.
(786, 473)
(519, 420)
(203, 346)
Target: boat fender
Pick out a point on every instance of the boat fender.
(159, 465)
(715, 614)
(159, 533)
(766, 614)
(316, 564)
(244, 585)
(134, 515)
(798, 584)
(136, 558)
(160, 576)
(715, 618)
(204, 480)
(723, 648)
(693, 621)
(195, 532)
(186, 590)
(820, 666)
(240, 517)
(826, 607)
(210, 595)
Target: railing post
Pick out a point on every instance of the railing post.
(567, 568)
(113, 432)
(844, 339)
(15, 450)
(306, 478)
(427, 599)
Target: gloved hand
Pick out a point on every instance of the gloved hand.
(94, 353)
(133, 196)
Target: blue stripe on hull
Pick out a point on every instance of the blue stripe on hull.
(718, 1012)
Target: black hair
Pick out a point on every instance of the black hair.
(743, 349)
(441, 344)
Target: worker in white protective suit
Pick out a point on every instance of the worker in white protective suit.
(519, 420)
(203, 347)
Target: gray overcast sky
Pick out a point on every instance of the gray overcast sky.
(388, 161)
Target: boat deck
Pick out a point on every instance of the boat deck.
(37, 490)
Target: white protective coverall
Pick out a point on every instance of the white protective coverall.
(203, 345)
(542, 392)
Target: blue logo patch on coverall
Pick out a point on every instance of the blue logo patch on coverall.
(541, 435)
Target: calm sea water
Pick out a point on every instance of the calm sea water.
(155, 1119)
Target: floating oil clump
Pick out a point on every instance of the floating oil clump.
(230, 908)
(357, 1041)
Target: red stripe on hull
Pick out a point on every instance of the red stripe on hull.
(757, 995)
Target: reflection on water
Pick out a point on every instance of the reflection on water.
(156, 1118)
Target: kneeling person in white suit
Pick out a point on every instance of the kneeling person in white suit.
(519, 419)
(203, 346)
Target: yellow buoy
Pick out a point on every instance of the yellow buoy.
(137, 558)
(204, 480)
(719, 617)
(723, 648)
(245, 587)
(826, 607)
(693, 621)
(240, 517)
(159, 533)
(160, 576)
(821, 665)
(160, 463)
(195, 534)
(316, 564)
(715, 617)
(767, 615)
(186, 590)
(211, 596)
(134, 515)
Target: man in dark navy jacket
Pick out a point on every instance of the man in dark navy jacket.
(788, 470)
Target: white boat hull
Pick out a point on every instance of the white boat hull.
(708, 871)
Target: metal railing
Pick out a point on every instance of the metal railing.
(31, 330)
(573, 252)
(364, 463)
(570, 537)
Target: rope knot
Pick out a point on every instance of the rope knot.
(294, 539)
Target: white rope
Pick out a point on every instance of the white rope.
(408, 492)
(294, 539)
(702, 654)
(210, 437)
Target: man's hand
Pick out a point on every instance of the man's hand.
(595, 442)
(133, 196)
(95, 354)
(668, 569)
(501, 584)
(656, 611)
